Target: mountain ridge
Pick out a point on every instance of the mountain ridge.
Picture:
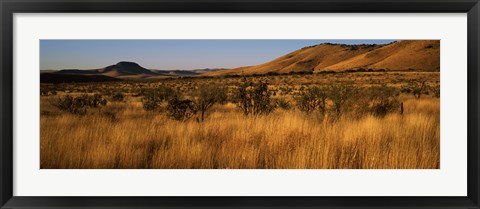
(410, 55)
(422, 55)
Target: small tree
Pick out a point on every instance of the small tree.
(254, 98)
(384, 100)
(119, 97)
(283, 104)
(313, 99)
(340, 94)
(153, 98)
(417, 88)
(181, 109)
(79, 105)
(436, 91)
(207, 96)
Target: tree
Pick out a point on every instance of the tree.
(181, 109)
(152, 98)
(254, 98)
(312, 99)
(340, 94)
(207, 96)
(384, 100)
(79, 105)
(417, 88)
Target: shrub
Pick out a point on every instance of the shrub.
(207, 96)
(436, 91)
(272, 74)
(313, 99)
(47, 91)
(79, 105)
(326, 72)
(254, 98)
(416, 87)
(153, 98)
(119, 97)
(384, 100)
(283, 104)
(181, 109)
(340, 94)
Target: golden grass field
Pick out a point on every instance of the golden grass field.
(130, 137)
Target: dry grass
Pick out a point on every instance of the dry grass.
(134, 138)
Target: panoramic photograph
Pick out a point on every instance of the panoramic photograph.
(240, 104)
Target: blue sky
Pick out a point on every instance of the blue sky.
(170, 54)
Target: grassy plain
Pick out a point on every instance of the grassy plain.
(122, 134)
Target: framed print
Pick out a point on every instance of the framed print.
(239, 104)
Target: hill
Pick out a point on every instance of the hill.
(187, 72)
(121, 70)
(402, 55)
(124, 69)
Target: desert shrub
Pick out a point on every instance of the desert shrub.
(326, 72)
(119, 97)
(254, 98)
(181, 109)
(285, 90)
(272, 74)
(384, 100)
(436, 91)
(150, 104)
(152, 98)
(79, 105)
(43, 92)
(283, 104)
(111, 116)
(416, 87)
(342, 96)
(47, 91)
(207, 96)
(313, 99)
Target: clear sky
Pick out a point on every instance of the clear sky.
(170, 54)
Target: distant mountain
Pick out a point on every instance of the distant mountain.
(176, 72)
(48, 71)
(125, 68)
(208, 70)
(188, 72)
(403, 55)
(411, 55)
(120, 69)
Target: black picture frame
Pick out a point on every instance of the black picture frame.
(9, 7)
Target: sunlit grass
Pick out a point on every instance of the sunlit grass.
(228, 139)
